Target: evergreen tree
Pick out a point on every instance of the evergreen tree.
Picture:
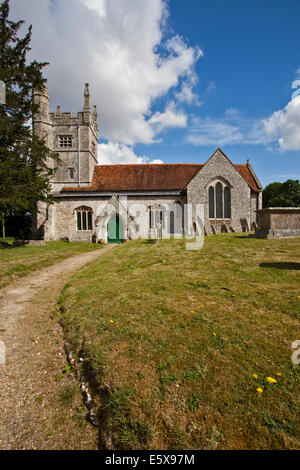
(26, 164)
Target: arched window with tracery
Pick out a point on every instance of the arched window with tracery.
(84, 216)
(219, 201)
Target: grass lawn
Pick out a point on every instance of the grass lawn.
(176, 343)
(9, 240)
(17, 262)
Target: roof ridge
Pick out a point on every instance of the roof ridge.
(147, 164)
(154, 176)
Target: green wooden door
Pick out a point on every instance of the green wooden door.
(115, 230)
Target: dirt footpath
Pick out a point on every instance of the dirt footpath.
(40, 402)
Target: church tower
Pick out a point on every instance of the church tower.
(75, 139)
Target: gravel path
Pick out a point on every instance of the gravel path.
(40, 406)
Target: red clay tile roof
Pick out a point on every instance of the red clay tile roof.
(150, 177)
(247, 174)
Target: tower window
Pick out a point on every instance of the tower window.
(71, 173)
(65, 141)
(84, 218)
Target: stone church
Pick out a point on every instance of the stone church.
(113, 203)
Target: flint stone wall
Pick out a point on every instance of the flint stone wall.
(61, 221)
(218, 167)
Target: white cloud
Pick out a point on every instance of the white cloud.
(230, 129)
(207, 131)
(296, 84)
(170, 118)
(116, 153)
(118, 46)
(99, 6)
(283, 126)
(284, 177)
(186, 94)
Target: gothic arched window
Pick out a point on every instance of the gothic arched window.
(84, 218)
(219, 201)
(227, 203)
(211, 197)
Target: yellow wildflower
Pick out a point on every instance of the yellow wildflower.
(259, 390)
(255, 376)
(279, 374)
(192, 311)
(111, 321)
(271, 380)
(133, 318)
(214, 334)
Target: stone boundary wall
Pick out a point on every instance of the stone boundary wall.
(278, 222)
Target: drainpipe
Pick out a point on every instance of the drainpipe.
(78, 131)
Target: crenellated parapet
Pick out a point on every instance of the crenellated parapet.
(66, 118)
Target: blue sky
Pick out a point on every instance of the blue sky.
(176, 79)
(251, 53)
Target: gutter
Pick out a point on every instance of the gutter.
(100, 194)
